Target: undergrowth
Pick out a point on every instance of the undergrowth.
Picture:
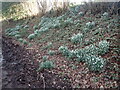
(89, 52)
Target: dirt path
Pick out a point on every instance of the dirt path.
(20, 72)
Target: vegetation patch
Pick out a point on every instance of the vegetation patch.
(77, 45)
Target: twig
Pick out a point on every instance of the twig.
(43, 81)
(29, 48)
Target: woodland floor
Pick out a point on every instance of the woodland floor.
(20, 64)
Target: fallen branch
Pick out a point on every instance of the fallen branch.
(29, 48)
(43, 81)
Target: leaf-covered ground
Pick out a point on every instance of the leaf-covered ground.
(26, 43)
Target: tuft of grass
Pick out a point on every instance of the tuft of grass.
(64, 50)
(103, 47)
(90, 25)
(95, 63)
(51, 52)
(46, 65)
(105, 16)
(31, 36)
(45, 58)
(78, 38)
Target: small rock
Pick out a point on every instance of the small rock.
(101, 87)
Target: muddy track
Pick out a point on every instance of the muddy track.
(19, 70)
